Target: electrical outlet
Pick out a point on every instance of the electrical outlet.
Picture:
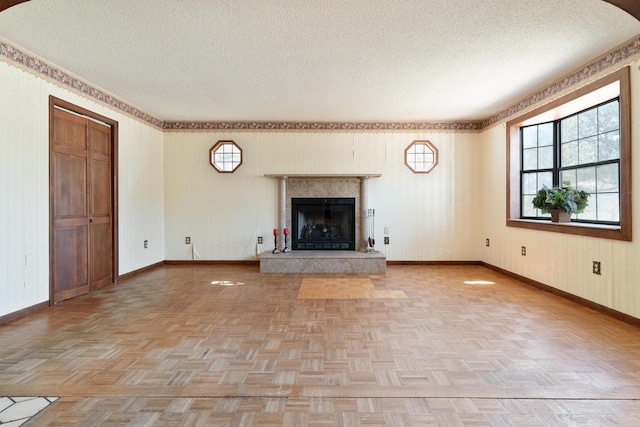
(596, 267)
(523, 251)
(146, 244)
(386, 240)
(187, 240)
(259, 240)
(487, 243)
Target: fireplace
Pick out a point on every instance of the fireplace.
(323, 223)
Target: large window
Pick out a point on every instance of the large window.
(582, 150)
(583, 139)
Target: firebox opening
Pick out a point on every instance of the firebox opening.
(323, 223)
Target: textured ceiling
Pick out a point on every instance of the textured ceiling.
(321, 60)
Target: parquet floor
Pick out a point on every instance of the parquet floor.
(416, 346)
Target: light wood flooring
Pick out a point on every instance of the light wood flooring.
(415, 346)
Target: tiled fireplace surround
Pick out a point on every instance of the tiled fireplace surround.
(343, 186)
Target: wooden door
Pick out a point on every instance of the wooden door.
(81, 205)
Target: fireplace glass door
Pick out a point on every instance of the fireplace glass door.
(323, 223)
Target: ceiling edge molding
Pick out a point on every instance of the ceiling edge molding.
(606, 64)
(182, 126)
(24, 60)
(6, 4)
(39, 67)
(632, 7)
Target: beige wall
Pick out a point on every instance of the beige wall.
(560, 260)
(24, 188)
(428, 215)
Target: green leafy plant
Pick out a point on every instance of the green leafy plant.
(565, 198)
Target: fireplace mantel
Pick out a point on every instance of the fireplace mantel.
(284, 199)
(329, 175)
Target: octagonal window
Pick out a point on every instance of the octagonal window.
(421, 156)
(225, 156)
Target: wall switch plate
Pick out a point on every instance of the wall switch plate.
(596, 267)
(386, 230)
(386, 240)
(523, 251)
(187, 240)
(259, 240)
(487, 243)
(146, 244)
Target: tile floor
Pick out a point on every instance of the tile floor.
(15, 411)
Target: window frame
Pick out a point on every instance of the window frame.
(214, 149)
(615, 84)
(412, 165)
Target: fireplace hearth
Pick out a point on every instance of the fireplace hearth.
(323, 223)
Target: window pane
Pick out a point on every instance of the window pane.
(609, 146)
(588, 123)
(608, 206)
(609, 117)
(586, 180)
(545, 134)
(529, 183)
(569, 153)
(530, 137)
(569, 128)
(527, 206)
(608, 178)
(545, 178)
(588, 150)
(590, 212)
(530, 159)
(545, 158)
(570, 176)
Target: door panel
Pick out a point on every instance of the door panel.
(101, 266)
(100, 223)
(100, 137)
(100, 188)
(70, 186)
(71, 256)
(69, 131)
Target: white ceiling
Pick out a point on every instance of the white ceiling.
(319, 60)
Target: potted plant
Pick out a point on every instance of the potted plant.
(561, 202)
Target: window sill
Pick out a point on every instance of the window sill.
(577, 228)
